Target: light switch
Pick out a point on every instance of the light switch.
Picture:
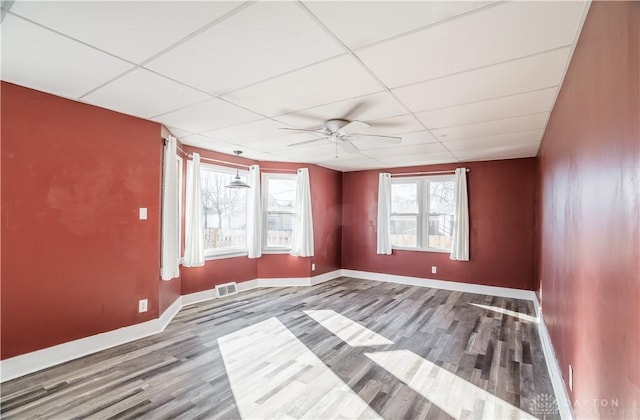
(143, 213)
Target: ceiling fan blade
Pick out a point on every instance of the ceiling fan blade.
(388, 139)
(356, 109)
(348, 147)
(353, 126)
(306, 142)
(304, 130)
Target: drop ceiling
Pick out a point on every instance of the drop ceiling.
(457, 81)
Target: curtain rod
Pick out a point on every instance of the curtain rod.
(451, 171)
(242, 165)
(190, 155)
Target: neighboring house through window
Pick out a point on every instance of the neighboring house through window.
(422, 213)
(279, 202)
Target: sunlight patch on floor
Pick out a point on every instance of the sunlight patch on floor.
(521, 317)
(274, 375)
(452, 394)
(347, 330)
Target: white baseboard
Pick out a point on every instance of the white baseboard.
(443, 284)
(284, 282)
(40, 359)
(32, 362)
(321, 278)
(555, 373)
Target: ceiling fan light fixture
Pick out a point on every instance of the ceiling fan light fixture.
(236, 182)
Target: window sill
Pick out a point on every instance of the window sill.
(222, 255)
(276, 251)
(439, 251)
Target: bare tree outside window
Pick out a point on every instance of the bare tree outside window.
(224, 210)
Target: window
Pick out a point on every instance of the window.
(279, 203)
(224, 211)
(422, 213)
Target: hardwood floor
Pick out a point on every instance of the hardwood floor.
(347, 348)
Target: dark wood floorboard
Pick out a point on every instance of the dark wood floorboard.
(180, 373)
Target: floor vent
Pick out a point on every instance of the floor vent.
(226, 289)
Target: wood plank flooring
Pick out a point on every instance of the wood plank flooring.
(347, 348)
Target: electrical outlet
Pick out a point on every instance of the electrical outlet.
(143, 305)
(570, 377)
(313, 267)
(434, 269)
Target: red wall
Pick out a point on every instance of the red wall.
(75, 257)
(326, 196)
(589, 165)
(502, 224)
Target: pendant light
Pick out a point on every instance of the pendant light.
(236, 182)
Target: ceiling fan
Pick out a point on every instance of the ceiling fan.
(342, 132)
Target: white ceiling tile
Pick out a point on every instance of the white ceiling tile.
(154, 94)
(276, 144)
(490, 128)
(424, 159)
(365, 108)
(414, 151)
(359, 23)
(262, 41)
(500, 152)
(208, 143)
(408, 139)
(492, 109)
(481, 143)
(316, 152)
(214, 113)
(491, 35)
(250, 132)
(393, 126)
(330, 81)
(178, 133)
(524, 75)
(133, 30)
(41, 59)
(197, 140)
(345, 164)
(263, 156)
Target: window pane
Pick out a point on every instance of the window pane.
(404, 231)
(442, 197)
(224, 211)
(281, 203)
(404, 198)
(441, 214)
(279, 228)
(282, 194)
(440, 231)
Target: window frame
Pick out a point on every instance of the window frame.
(424, 206)
(229, 252)
(266, 176)
(180, 181)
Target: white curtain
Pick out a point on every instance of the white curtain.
(170, 249)
(194, 238)
(302, 235)
(460, 247)
(384, 214)
(254, 214)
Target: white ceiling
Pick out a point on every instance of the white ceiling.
(458, 81)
